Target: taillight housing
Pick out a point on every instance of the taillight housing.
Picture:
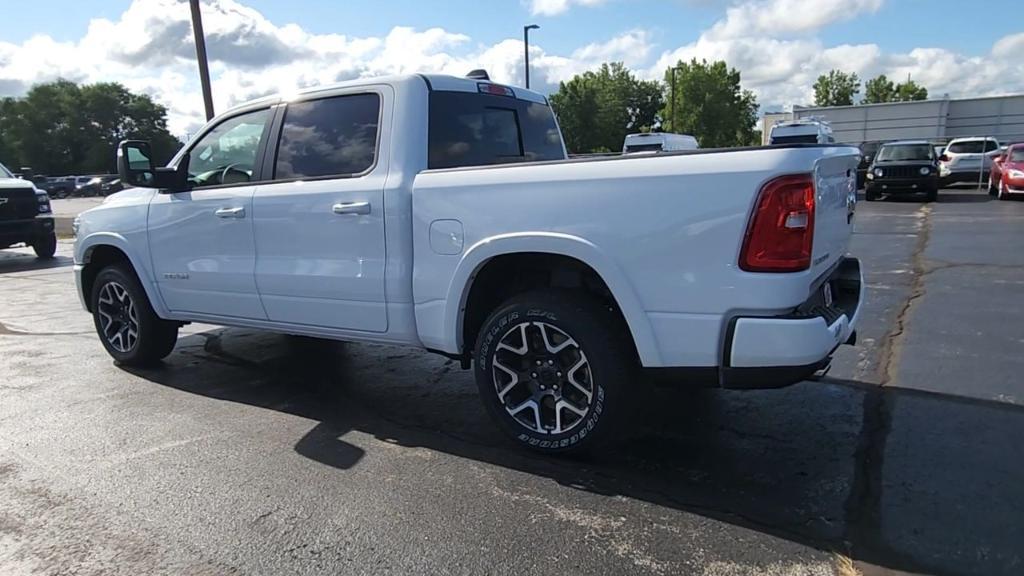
(780, 235)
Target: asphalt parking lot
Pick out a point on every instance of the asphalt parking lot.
(261, 454)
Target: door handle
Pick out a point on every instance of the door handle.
(362, 208)
(230, 212)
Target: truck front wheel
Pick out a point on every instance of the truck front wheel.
(553, 369)
(128, 327)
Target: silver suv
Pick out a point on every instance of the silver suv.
(967, 159)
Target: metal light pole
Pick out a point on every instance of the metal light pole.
(526, 45)
(204, 68)
(672, 104)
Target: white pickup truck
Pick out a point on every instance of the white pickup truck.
(442, 213)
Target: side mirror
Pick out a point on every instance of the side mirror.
(135, 163)
(136, 169)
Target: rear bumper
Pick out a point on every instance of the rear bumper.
(26, 230)
(958, 175)
(782, 350)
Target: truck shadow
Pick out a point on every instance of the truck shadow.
(896, 478)
(11, 262)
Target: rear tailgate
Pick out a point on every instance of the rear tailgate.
(835, 181)
(968, 162)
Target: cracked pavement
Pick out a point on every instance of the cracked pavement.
(253, 453)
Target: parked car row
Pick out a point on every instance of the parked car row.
(67, 186)
(925, 167)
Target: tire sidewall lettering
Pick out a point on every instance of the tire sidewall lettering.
(495, 331)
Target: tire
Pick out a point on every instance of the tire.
(932, 195)
(870, 197)
(568, 355)
(45, 247)
(993, 187)
(119, 303)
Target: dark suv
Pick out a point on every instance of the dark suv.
(25, 215)
(906, 167)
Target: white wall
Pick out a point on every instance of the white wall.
(1001, 116)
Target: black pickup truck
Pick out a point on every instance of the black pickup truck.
(906, 167)
(25, 215)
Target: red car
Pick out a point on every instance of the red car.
(995, 174)
(1011, 172)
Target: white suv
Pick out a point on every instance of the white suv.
(967, 160)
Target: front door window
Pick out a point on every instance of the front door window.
(227, 154)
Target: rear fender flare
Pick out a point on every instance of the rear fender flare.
(570, 246)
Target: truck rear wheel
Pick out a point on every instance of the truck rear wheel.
(128, 327)
(553, 369)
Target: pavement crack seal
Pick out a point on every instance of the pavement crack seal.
(892, 346)
(863, 507)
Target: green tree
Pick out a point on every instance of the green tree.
(878, 90)
(63, 128)
(910, 91)
(837, 88)
(710, 104)
(597, 109)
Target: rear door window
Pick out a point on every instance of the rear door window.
(470, 129)
(328, 137)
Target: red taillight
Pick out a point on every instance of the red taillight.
(781, 231)
(944, 158)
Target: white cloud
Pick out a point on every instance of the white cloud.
(773, 45)
(149, 49)
(631, 48)
(777, 18)
(556, 7)
(1009, 46)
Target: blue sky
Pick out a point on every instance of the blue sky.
(779, 46)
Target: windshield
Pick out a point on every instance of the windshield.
(1016, 155)
(4, 172)
(904, 152)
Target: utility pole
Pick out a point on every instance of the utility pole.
(526, 47)
(204, 68)
(672, 104)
